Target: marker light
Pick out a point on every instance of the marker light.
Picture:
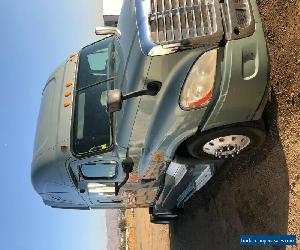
(72, 55)
(69, 84)
(198, 87)
(157, 157)
(68, 93)
(63, 147)
(67, 104)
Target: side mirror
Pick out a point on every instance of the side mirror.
(115, 97)
(114, 100)
(108, 31)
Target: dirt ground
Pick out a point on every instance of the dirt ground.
(157, 236)
(144, 235)
(131, 230)
(257, 193)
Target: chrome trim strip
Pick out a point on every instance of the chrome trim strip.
(164, 19)
(194, 20)
(107, 31)
(208, 17)
(177, 171)
(187, 26)
(171, 18)
(201, 17)
(179, 20)
(156, 20)
(204, 177)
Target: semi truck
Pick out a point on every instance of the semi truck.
(145, 115)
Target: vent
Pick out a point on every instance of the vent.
(241, 16)
(239, 21)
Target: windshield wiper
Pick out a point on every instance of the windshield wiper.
(94, 84)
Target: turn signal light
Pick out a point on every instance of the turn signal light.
(157, 157)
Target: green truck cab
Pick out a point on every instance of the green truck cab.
(142, 117)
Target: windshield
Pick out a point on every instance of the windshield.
(91, 122)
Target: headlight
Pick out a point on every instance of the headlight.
(198, 87)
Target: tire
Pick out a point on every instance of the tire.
(150, 209)
(205, 145)
(158, 219)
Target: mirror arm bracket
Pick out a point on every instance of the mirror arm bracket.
(152, 89)
(127, 165)
(115, 97)
(118, 187)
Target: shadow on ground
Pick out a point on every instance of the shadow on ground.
(248, 195)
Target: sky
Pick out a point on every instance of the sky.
(112, 7)
(35, 37)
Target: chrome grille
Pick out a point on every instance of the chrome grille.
(177, 20)
(241, 17)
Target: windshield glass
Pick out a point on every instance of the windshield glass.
(95, 63)
(91, 122)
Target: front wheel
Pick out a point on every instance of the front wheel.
(225, 142)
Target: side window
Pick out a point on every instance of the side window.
(99, 170)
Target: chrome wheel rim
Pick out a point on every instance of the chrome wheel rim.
(226, 146)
